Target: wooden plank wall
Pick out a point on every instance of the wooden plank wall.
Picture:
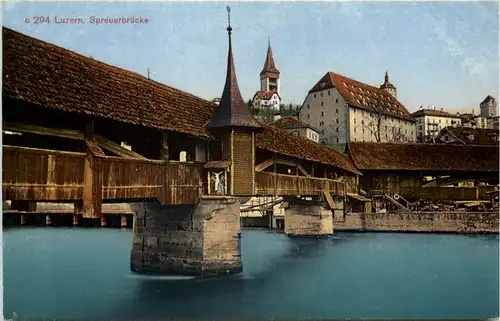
(47, 175)
(295, 185)
(36, 174)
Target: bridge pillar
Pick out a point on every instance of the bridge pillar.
(307, 218)
(199, 240)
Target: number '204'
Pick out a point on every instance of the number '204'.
(40, 20)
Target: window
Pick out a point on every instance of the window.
(336, 111)
(322, 132)
(336, 100)
(307, 106)
(354, 129)
(337, 129)
(362, 122)
(420, 127)
(328, 93)
(308, 116)
(337, 139)
(446, 138)
(314, 95)
(322, 113)
(321, 94)
(363, 130)
(355, 120)
(337, 120)
(321, 104)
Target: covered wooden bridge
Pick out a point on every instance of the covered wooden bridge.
(81, 131)
(429, 172)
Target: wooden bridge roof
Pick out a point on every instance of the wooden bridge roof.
(49, 76)
(423, 157)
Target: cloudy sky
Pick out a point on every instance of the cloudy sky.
(442, 54)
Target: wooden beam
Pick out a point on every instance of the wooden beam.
(164, 146)
(302, 169)
(116, 148)
(329, 199)
(262, 166)
(92, 175)
(38, 130)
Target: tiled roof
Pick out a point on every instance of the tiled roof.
(473, 136)
(265, 95)
(53, 77)
(290, 122)
(276, 140)
(363, 96)
(232, 110)
(47, 75)
(423, 157)
(435, 113)
(269, 65)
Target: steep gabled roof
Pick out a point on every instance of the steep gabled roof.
(232, 110)
(363, 96)
(423, 157)
(265, 95)
(472, 136)
(487, 99)
(269, 65)
(290, 122)
(53, 77)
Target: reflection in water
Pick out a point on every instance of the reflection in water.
(84, 274)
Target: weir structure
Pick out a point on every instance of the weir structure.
(76, 130)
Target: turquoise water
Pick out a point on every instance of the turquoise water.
(84, 274)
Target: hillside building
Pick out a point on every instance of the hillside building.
(347, 110)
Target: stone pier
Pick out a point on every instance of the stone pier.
(307, 218)
(200, 240)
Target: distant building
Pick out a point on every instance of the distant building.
(488, 107)
(493, 122)
(269, 94)
(347, 110)
(431, 121)
(295, 126)
(469, 136)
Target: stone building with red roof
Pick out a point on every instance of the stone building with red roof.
(346, 110)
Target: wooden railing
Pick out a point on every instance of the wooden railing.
(33, 174)
(37, 174)
(282, 185)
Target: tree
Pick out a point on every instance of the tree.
(380, 129)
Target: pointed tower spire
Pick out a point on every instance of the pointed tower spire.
(387, 86)
(269, 65)
(232, 110)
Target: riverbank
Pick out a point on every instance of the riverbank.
(451, 222)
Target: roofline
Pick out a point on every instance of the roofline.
(106, 64)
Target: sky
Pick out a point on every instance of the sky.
(443, 54)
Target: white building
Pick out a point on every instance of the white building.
(431, 121)
(347, 110)
(296, 127)
(269, 94)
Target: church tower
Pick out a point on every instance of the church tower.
(234, 126)
(270, 75)
(390, 88)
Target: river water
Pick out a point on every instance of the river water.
(84, 273)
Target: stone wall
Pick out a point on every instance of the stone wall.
(308, 219)
(201, 239)
(456, 222)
